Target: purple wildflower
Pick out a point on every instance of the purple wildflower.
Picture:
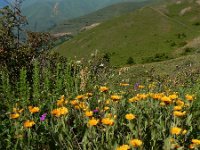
(95, 110)
(42, 118)
(136, 86)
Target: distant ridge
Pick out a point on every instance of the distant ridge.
(75, 25)
(43, 14)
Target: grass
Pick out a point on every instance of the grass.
(140, 35)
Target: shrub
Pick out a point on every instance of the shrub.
(156, 58)
(196, 23)
(188, 50)
(130, 61)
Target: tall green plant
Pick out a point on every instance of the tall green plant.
(47, 82)
(68, 80)
(36, 81)
(58, 90)
(23, 85)
(7, 95)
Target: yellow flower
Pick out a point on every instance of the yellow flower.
(187, 105)
(151, 86)
(189, 97)
(62, 97)
(77, 107)
(107, 121)
(177, 108)
(130, 116)
(59, 111)
(60, 102)
(162, 104)
(20, 111)
(89, 113)
(93, 122)
(89, 94)
(123, 147)
(134, 99)
(14, 116)
(80, 97)
(184, 132)
(29, 124)
(16, 110)
(141, 86)
(106, 108)
(157, 96)
(109, 115)
(175, 130)
(103, 89)
(172, 140)
(74, 102)
(115, 97)
(56, 112)
(107, 102)
(63, 110)
(142, 96)
(173, 96)
(82, 105)
(124, 84)
(135, 142)
(166, 99)
(179, 113)
(196, 141)
(33, 109)
(180, 103)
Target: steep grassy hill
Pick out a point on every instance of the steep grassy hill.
(75, 25)
(149, 34)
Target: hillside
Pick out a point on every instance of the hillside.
(44, 14)
(149, 34)
(179, 70)
(75, 25)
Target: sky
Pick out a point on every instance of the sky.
(2, 3)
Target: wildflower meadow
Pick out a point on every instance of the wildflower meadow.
(72, 108)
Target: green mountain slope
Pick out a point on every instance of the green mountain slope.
(75, 25)
(149, 34)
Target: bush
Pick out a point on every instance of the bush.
(156, 58)
(196, 24)
(130, 61)
(188, 50)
